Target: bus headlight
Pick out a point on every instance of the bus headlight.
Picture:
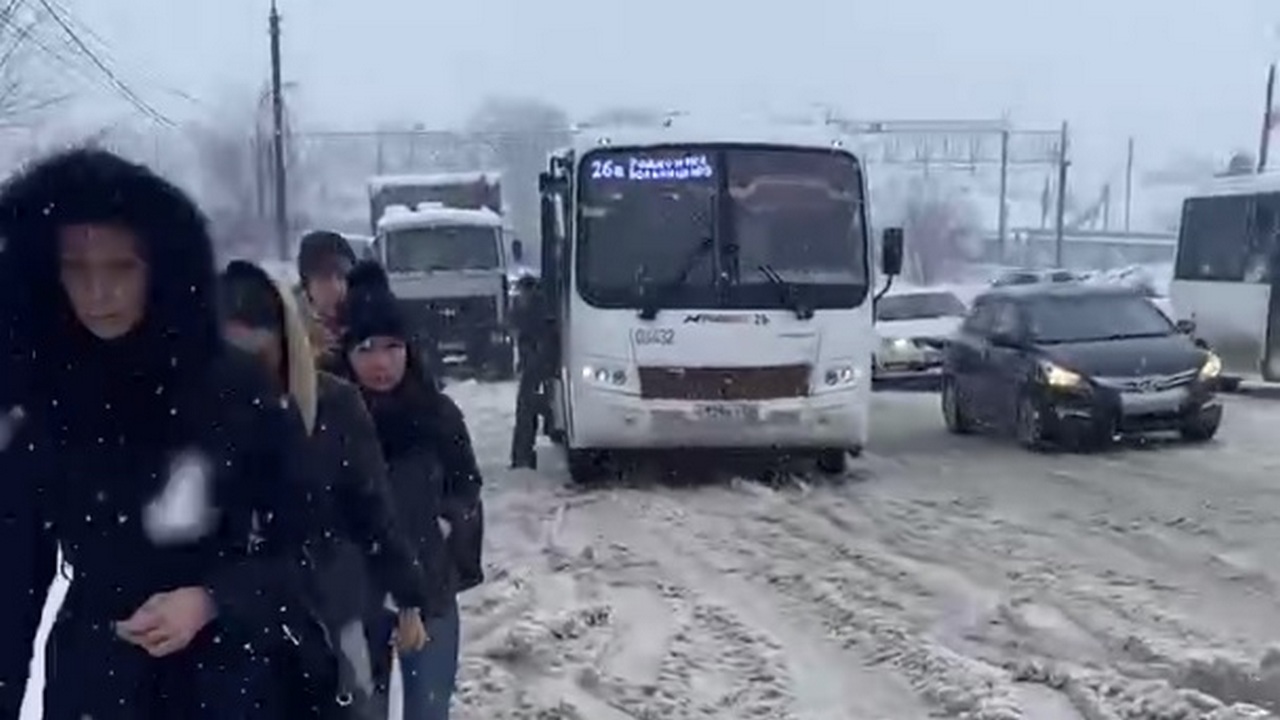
(1059, 377)
(1212, 367)
(839, 375)
(608, 375)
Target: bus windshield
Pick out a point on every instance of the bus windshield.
(718, 225)
(442, 247)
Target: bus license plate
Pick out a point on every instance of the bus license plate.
(722, 412)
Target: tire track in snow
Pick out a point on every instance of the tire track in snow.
(1052, 548)
(1166, 689)
(812, 672)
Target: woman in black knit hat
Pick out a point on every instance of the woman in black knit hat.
(435, 480)
(361, 555)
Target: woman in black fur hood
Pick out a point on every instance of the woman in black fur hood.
(433, 474)
(160, 460)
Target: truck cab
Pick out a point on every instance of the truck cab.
(448, 269)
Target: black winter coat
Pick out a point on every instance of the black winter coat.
(370, 552)
(433, 476)
(107, 422)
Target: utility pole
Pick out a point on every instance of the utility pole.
(1003, 217)
(277, 145)
(1264, 146)
(1128, 189)
(1061, 221)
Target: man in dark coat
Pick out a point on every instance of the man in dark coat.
(529, 319)
(159, 459)
(260, 317)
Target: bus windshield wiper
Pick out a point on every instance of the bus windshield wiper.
(652, 298)
(787, 292)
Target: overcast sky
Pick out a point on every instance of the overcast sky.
(1181, 74)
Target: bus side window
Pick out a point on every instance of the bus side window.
(1213, 243)
(1264, 238)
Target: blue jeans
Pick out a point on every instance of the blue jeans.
(430, 676)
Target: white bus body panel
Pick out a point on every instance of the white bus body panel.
(602, 415)
(1230, 316)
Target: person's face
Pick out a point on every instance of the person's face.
(263, 344)
(379, 363)
(327, 290)
(105, 277)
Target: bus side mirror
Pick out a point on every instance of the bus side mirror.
(1186, 327)
(891, 246)
(517, 250)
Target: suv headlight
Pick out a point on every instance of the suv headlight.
(1212, 366)
(1059, 377)
(605, 374)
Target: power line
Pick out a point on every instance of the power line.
(106, 50)
(119, 85)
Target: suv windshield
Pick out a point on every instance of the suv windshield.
(442, 247)
(711, 224)
(1082, 318)
(918, 306)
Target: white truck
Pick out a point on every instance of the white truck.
(443, 242)
(709, 290)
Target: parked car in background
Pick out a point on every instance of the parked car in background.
(362, 245)
(1034, 277)
(914, 326)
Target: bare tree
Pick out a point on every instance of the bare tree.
(521, 132)
(941, 226)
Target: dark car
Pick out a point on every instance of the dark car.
(1076, 365)
(1034, 277)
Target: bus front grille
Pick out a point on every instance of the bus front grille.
(724, 384)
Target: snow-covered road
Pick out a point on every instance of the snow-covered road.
(945, 577)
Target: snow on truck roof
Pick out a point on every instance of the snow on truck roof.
(378, 183)
(400, 217)
(681, 131)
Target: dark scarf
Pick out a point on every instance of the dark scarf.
(125, 387)
(403, 418)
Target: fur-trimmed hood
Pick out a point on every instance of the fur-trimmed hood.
(90, 185)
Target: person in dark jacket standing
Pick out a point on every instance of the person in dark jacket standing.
(324, 259)
(260, 317)
(529, 318)
(158, 458)
(434, 477)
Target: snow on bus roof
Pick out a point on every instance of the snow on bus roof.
(381, 182)
(1253, 184)
(684, 131)
(399, 217)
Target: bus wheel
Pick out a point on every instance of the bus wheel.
(587, 467)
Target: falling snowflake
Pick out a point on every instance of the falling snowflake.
(183, 511)
(10, 421)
